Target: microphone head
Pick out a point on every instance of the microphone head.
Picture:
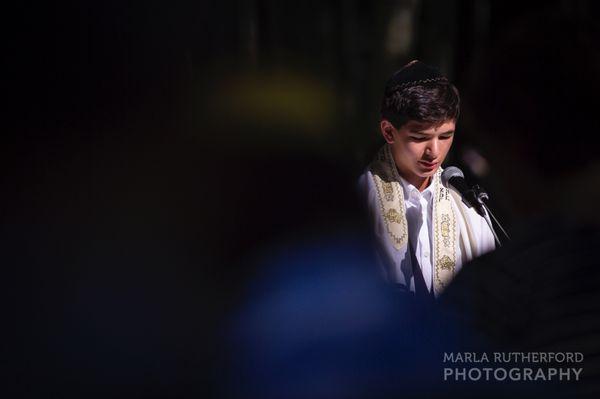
(450, 172)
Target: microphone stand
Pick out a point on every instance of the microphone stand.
(480, 198)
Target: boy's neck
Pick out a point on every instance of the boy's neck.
(421, 183)
(424, 183)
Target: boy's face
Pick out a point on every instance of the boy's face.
(419, 149)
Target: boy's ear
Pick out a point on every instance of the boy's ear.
(387, 131)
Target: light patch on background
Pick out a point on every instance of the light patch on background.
(477, 164)
(400, 31)
(286, 101)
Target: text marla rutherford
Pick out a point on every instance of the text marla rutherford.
(513, 357)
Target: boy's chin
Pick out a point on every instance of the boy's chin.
(428, 173)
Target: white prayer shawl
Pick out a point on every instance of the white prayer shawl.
(459, 233)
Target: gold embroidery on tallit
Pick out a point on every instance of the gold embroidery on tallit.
(446, 263)
(445, 230)
(390, 197)
(388, 191)
(399, 231)
(393, 216)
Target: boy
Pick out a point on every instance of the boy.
(424, 231)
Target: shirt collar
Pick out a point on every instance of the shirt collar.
(411, 191)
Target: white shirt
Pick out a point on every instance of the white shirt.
(419, 207)
(397, 265)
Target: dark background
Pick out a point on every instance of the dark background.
(152, 149)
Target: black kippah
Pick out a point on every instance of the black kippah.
(412, 74)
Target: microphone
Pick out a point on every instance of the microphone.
(454, 177)
(472, 197)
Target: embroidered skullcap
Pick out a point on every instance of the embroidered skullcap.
(413, 74)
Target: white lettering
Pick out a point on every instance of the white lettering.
(566, 373)
(447, 373)
(539, 375)
(448, 357)
(497, 357)
(478, 374)
(496, 374)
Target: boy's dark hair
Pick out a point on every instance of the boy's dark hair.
(419, 92)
